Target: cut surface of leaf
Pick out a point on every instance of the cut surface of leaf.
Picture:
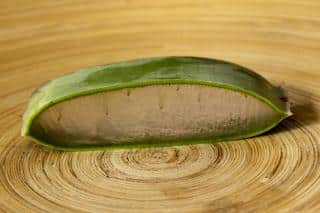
(153, 102)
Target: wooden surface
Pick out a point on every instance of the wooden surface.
(280, 170)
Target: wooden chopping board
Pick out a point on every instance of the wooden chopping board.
(279, 171)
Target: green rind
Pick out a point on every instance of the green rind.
(144, 72)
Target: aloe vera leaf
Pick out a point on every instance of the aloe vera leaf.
(153, 102)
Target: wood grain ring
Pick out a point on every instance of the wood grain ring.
(271, 170)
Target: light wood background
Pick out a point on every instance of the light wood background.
(279, 171)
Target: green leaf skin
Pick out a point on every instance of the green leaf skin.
(154, 71)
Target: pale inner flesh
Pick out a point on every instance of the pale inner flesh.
(153, 114)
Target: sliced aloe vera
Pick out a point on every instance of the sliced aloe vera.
(153, 102)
